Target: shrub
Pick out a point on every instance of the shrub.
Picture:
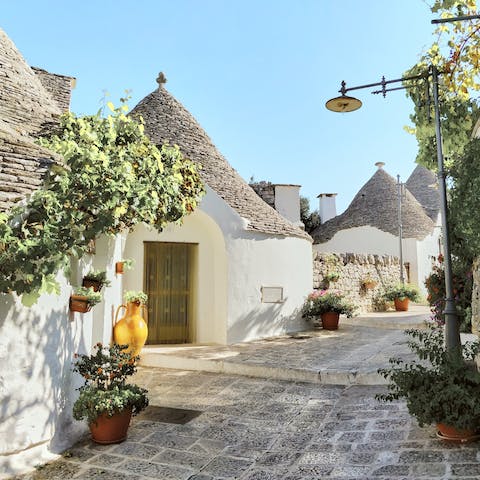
(105, 390)
(441, 386)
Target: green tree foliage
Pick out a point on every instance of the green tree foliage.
(465, 201)
(114, 178)
(456, 53)
(311, 220)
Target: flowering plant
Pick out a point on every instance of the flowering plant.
(462, 291)
(323, 301)
(105, 390)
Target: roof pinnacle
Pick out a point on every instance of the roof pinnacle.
(161, 79)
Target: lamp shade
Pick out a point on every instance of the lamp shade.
(343, 104)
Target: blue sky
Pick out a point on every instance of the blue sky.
(255, 73)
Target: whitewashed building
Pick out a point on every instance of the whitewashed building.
(232, 258)
(370, 223)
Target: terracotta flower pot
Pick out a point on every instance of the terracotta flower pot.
(79, 303)
(119, 268)
(447, 432)
(330, 320)
(401, 305)
(95, 284)
(106, 430)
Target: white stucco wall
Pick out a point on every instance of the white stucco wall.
(428, 247)
(365, 239)
(37, 386)
(261, 261)
(257, 260)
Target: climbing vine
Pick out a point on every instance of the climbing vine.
(114, 178)
(455, 52)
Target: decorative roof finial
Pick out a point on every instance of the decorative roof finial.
(380, 165)
(161, 79)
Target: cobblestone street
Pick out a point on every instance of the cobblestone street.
(235, 427)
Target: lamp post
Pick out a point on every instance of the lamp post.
(400, 226)
(346, 103)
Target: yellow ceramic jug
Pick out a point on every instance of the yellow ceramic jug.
(131, 329)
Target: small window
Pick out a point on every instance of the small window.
(272, 294)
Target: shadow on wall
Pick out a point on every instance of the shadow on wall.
(268, 322)
(36, 381)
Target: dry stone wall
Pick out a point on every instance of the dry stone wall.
(353, 270)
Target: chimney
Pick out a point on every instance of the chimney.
(287, 202)
(58, 86)
(326, 206)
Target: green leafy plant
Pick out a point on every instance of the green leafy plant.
(99, 276)
(128, 263)
(331, 277)
(402, 291)
(462, 291)
(323, 301)
(91, 297)
(440, 386)
(113, 179)
(135, 297)
(105, 390)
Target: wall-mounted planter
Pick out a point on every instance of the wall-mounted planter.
(119, 268)
(79, 303)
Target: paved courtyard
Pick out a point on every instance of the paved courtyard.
(236, 427)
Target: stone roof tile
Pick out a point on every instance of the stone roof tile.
(376, 205)
(422, 184)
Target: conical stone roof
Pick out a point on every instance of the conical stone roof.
(24, 102)
(167, 120)
(26, 108)
(422, 184)
(376, 205)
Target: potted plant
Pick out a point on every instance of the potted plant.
(123, 265)
(441, 387)
(106, 401)
(83, 299)
(368, 283)
(401, 294)
(132, 329)
(96, 279)
(327, 304)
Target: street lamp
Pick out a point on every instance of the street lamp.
(400, 195)
(346, 103)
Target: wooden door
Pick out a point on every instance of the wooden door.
(168, 283)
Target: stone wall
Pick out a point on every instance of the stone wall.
(353, 269)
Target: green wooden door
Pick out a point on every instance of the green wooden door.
(168, 282)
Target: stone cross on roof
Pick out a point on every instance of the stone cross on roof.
(161, 79)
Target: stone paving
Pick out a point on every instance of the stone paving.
(307, 412)
(350, 355)
(263, 429)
